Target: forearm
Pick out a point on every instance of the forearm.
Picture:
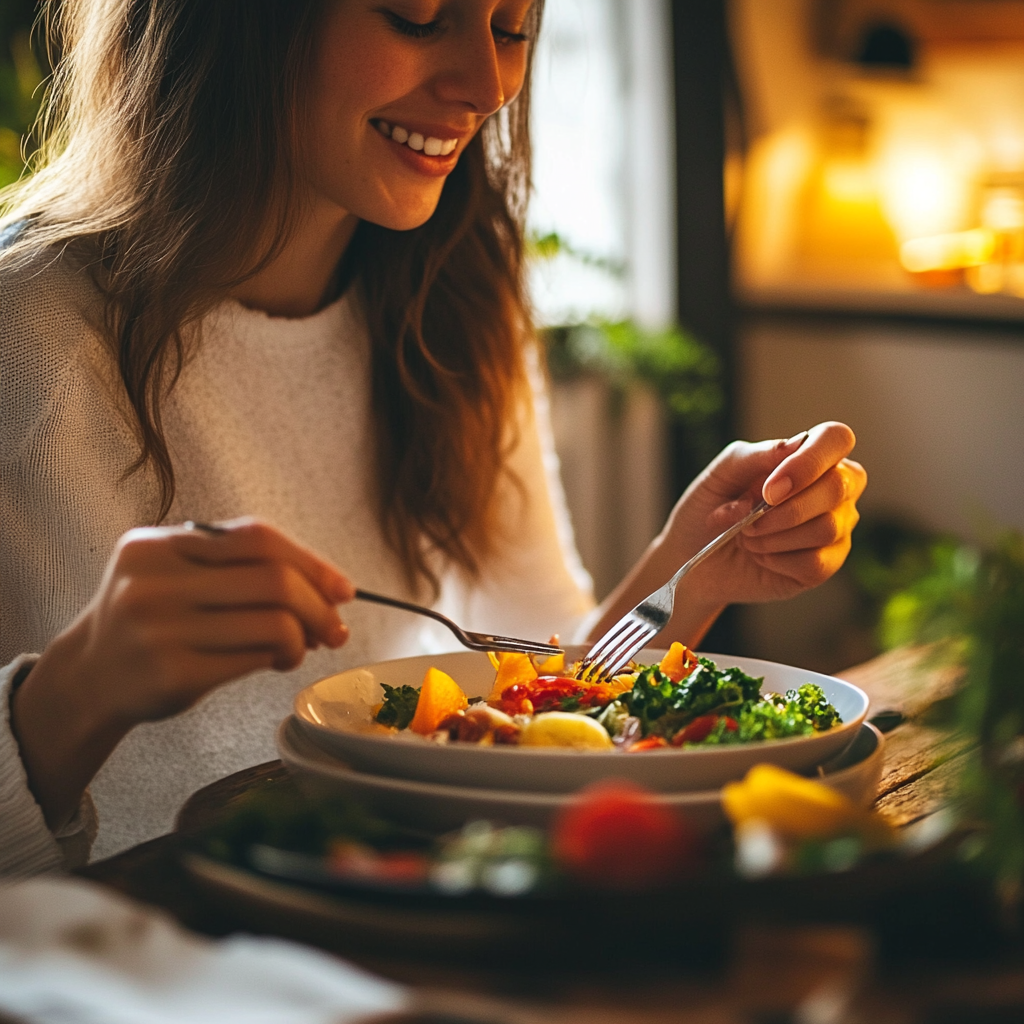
(63, 737)
(693, 613)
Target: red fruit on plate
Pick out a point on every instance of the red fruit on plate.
(615, 835)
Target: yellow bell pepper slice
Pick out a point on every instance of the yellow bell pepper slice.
(512, 668)
(798, 808)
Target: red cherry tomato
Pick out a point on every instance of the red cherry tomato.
(699, 729)
(616, 835)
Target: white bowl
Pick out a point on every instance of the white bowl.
(335, 714)
(438, 808)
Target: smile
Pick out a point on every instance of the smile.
(429, 146)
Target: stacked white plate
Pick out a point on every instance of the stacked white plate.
(332, 746)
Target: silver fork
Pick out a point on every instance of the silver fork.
(632, 632)
(474, 641)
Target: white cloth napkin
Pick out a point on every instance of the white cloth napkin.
(72, 951)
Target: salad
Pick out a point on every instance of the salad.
(683, 701)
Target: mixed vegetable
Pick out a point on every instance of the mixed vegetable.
(684, 700)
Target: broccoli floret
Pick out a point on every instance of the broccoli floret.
(810, 699)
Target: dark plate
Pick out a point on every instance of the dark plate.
(923, 907)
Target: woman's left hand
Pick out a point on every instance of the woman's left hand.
(792, 547)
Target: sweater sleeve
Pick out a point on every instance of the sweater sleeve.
(60, 451)
(27, 846)
(535, 584)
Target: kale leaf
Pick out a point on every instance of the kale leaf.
(664, 706)
(399, 705)
(800, 713)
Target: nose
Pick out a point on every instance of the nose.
(471, 72)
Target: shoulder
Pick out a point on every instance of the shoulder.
(49, 317)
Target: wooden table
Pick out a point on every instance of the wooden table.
(819, 975)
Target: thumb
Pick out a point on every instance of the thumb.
(741, 470)
(739, 474)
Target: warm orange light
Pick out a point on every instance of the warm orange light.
(954, 250)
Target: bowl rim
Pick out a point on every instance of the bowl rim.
(417, 787)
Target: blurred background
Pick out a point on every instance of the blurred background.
(826, 197)
(750, 216)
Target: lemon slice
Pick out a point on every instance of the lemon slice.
(564, 729)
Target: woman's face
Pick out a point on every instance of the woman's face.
(399, 89)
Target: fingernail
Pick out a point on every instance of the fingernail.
(338, 634)
(343, 590)
(797, 439)
(776, 490)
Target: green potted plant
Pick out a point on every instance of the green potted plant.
(969, 605)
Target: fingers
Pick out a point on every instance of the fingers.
(805, 568)
(269, 631)
(163, 571)
(826, 506)
(826, 445)
(271, 585)
(743, 466)
(248, 540)
(820, 532)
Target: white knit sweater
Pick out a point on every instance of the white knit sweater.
(270, 419)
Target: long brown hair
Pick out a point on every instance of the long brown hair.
(167, 124)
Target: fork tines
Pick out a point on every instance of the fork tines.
(613, 651)
(516, 646)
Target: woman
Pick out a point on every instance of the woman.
(270, 266)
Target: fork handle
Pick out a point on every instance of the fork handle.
(723, 538)
(394, 602)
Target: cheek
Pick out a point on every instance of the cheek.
(359, 71)
(513, 74)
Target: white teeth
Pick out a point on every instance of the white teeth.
(431, 146)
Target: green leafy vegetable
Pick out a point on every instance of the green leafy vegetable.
(665, 706)
(802, 712)
(399, 705)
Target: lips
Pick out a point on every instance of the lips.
(419, 142)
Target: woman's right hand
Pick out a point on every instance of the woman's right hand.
(178, 613)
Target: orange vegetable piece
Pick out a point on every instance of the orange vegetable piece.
(440, 696)
(555, 665)
(512, 668)
(678, 663)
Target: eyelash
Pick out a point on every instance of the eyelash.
(411, 28)
(415, 30)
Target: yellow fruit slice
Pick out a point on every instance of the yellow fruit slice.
(564, 729)
(795, 807)
(512, 668)
(440, 696)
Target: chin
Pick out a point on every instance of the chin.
(405, 216)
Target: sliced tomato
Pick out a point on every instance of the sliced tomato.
(699, 729)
